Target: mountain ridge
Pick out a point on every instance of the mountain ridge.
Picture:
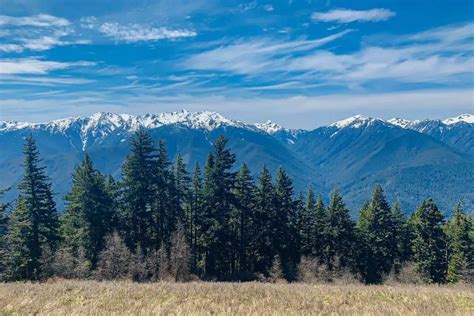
(354, 153)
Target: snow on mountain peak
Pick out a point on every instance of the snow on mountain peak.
(204, 120)
(269, 127)
(399, 122)
(466, 118)
(353, 122)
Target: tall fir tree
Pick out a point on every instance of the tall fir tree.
(194, 219)
(180, 187)
(33, 226)
(429, 244)
(402, 234)
(164, 207)
(137, 189)
(88, 215)
(340, 234)
(263, 230)
(242, 219)
(460, 233)
(320, 231)
(219, 198)
(308, 225)
(375, 226)
(286, 224)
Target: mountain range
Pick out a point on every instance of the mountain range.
(412, 160)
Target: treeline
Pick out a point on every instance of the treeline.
(160, 222)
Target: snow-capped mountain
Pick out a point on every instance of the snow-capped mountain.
(353, 153)
(457, 132)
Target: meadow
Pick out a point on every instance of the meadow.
(61, 297)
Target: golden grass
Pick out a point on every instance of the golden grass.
(105, 298)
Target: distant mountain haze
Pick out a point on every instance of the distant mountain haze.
(412, 160)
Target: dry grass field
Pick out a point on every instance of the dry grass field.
(104, 298)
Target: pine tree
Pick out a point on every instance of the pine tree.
(376, 228)
(320, 236)
(460, 233)
(88, 214)
(340, 234)
(402, 234)
(429, 244)
(33, 225)
(180, 188)
(263, 232)
(308, 225)
(218, 201)
(138, 173)
(194, 217)
(285, 223)
(164, 198)
(242, 218)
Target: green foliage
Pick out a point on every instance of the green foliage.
(242, 220)
(218, 200)
(377, 238)
(220, 226)
(339, 235)
(33, 225)
(138, 174)
(429, 244)
(460, 233)
(89, 214)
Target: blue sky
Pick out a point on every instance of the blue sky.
(300, 63)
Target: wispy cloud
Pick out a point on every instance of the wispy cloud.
(137, 33)
(255, 56)
(134, 32)
(40, 20)
(36, 33)
(348, 16)
(441, 55)
(36, 66)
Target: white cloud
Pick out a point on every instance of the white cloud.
(443, 55)
(41, 80)
(36, 33)
(255, 56)
(8, 48)
(36, 66)
(348, 16)
(136, 33)
(40, 20)
(268, 8)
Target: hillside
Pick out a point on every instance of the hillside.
(434, 158)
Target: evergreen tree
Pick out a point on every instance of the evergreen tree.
(194, 217)
(33, 225)
(429, 244)
(165, 207)
(263, 244)
(218, 201)
(242, 218)
(285, 224)
(460, 233)
(320, 230)
(340, 234)
(376, 229)
(138, 192)
(88, 214)
(402, 234)
(180, 187)
(308, 225)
